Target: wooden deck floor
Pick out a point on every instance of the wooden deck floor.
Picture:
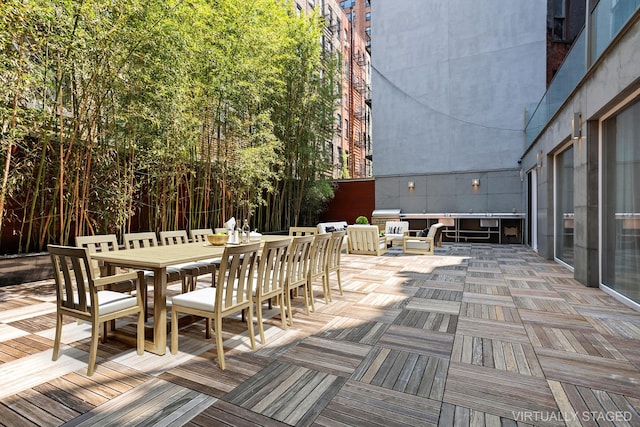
(475, 335)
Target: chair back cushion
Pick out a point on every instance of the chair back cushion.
(396, 227)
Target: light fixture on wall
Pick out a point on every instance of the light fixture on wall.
(539, 161)
(475, 183)
(411, 185)
(576, 126)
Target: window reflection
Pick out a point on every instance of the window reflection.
(621, 203)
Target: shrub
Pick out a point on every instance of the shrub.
(362, 220)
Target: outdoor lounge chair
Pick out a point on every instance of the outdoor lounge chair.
(365, 240)
(414, 242)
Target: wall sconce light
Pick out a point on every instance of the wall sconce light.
(411, 185)
(576, 126)
(521, 175)
(475, 183)
(539, 161)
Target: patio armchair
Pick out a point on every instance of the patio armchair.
(394, 230)
(82, 295)
(416, 242)
(365, 240)
(298, 271)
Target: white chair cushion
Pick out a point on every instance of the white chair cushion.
(110, 301)
(416, 244)
(200, 299)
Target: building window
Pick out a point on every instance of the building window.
(367, 31)
(367, 16)
(621, 203)
(564, 220)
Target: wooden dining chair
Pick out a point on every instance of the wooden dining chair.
(302, 231)
(80, 294)
(200, 235)
(147, 239)
(233, 294)
(103, 243)
(333, 258)
(270, 282)
(298, 271)
(318, 266)
(190, 270)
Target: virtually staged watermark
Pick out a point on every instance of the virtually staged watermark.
(584, 416)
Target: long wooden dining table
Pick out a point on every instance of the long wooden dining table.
(157, 259)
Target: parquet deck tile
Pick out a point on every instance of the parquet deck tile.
(411, 373)
(574, 341)
(452, 415)
(588, 407)
(359, 404)
(501, 393)
(556, 320)
(354, 330)
(439, 294)
(553, 305)
(493, 353)
(516, 283)
(424, 304)
(617, 376)
(378, 314)
(482, 288)
(203, 374)
(477, 334)
(419, 341)
(323, 355)
(490, 312)
(433, 321)
(292, 394)
(155, 402)
(223, 413)
(486, 328)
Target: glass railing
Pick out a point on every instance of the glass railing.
(606, 20)
(566, 79)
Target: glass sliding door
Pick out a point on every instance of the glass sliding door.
(621, 202)
(563, 221)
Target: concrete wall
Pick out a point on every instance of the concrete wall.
(450, 82)
(609, 82)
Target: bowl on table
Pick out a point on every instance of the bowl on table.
(218, 239)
